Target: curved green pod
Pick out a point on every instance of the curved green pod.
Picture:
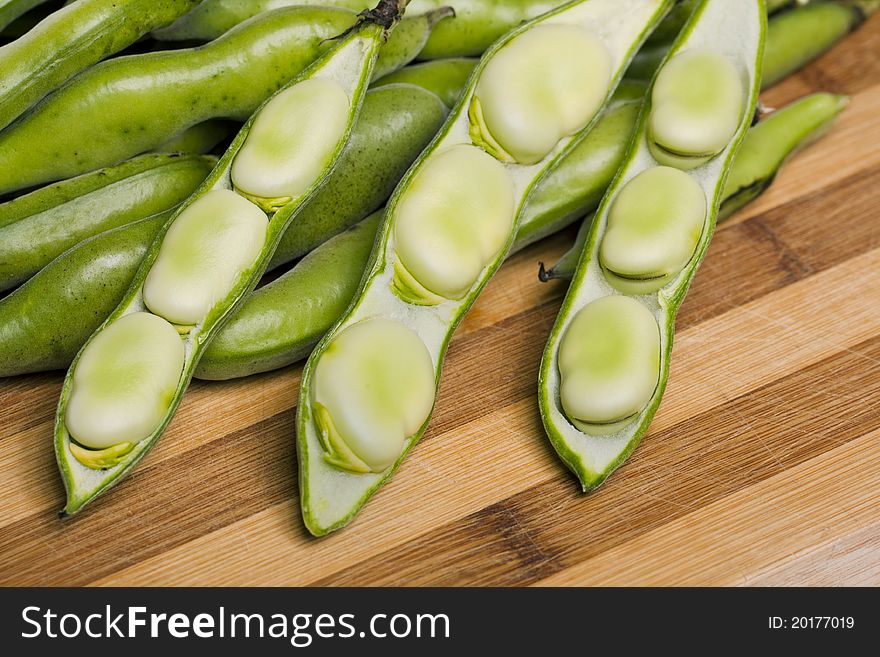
(443, 77)
(340, 465)
(596, 434)
(477, 23)
(800, 35)
(576, 184)
(72, 39)
(12, 9)
(109, 113)
(138, 188)
(765, 149)
(206, 259)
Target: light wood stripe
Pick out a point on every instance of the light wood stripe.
(834, 494)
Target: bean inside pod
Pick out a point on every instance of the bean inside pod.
(696, 105)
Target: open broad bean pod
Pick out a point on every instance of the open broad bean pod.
(607, 360)
(123, 387)
(368, 389)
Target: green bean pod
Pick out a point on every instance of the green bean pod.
(72, 39)
(800, 35)
(12, 9)
(124, 386)
(82, 286)
(767, 146)
(477, 24)
(138, 188)
(368, 388)
(442, 77)
(109, 113)
(607, 359)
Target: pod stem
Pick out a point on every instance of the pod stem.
(386, 13)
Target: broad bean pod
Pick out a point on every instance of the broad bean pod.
(607, 359)
(109, 113)
(125, 384)
(72, 39)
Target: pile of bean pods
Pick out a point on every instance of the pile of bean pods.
(385, 157)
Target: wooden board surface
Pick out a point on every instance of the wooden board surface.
(762, 466)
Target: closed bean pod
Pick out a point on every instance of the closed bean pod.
(202, 264)
(109, 113)
(597, 406)
(449, 225)
(800, 35)
(477, 24)
(12, 9)
(69, 41)
(49, 221)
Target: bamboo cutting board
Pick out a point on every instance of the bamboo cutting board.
(762, 466)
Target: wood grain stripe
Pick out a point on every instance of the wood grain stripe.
(834, 493)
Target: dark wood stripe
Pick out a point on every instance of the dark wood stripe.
(776, 427)
(157, 508)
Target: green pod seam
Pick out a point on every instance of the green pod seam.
(477, 23)
(72, 39)
(345, 69)
(330, 496)
(738, 37)
(109, 113)
(411, 112)
(443, 77)
(152, 184)
(12, 9)
(767, 146)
